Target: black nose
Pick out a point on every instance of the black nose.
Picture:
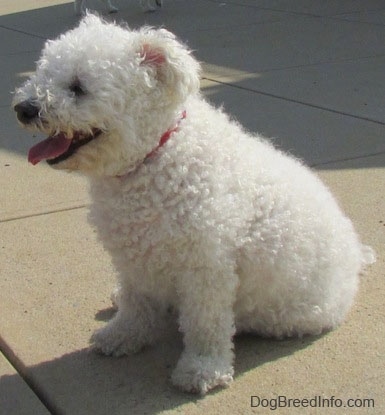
(26, 112)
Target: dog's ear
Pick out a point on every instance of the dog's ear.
(152, 56)
(171, 62)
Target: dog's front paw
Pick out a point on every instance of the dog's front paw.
(199, 374)
(115, 340)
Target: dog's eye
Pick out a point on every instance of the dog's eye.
(77, 88)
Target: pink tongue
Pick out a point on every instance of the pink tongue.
(50, 148)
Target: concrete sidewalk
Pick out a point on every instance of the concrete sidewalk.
(309, 74)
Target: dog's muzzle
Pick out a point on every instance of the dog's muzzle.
(27, 112)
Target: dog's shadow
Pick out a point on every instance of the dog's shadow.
(105, 314)
(84, 382)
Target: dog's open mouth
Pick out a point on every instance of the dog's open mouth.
(59, 147)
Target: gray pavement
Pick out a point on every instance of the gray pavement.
(307, 73)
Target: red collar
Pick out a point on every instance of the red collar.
(163, 140)
(165, 137)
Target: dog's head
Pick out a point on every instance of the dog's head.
(104, 95)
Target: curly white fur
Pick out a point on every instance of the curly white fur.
(234, 234)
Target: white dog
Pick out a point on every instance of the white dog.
(148, 5)
(197, 214)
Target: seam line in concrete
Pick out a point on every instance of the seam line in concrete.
(306, 14)
(12, 29)
(363, 156)
(345, 19)
(307, 104)
(47, 212)
(358, 59)
(21, 370)
(326, 62)
(294, 13)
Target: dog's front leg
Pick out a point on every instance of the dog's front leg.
(136, 324)
(206, 297)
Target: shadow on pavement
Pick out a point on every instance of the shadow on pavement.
(84, 382)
